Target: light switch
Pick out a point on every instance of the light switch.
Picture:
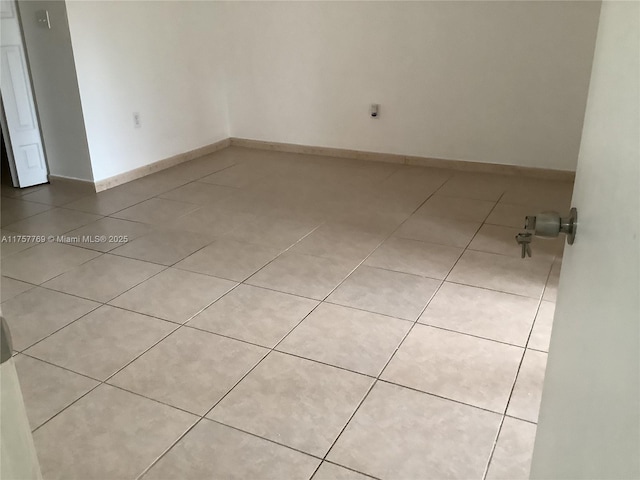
(42, 17)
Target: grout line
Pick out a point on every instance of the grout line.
(283, 338)
(368, 475)
(184, 324)
(399, 344)
(235, 384)
(513, 386)
(178, 326)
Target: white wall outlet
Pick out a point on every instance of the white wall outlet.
(137, 123)
(42, 17)
(374, 110)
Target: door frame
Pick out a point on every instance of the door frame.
(4, 122)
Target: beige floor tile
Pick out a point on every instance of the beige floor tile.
(165, 247)
(12, 242)
(116, 232)
(272, 232)
(460, 367)
(428, 437)
(443, 231)
(214, 221)
(156, 211)
(59, 193)
(14, 210)
(338, 241)
(8, 190)
(215, 451)
(415, 178)
(199, 193)
(11, 288)
(304, 275)
(456, 207)
(483, 313)
(154, 184)
(400, 200)
(415, 257)
(525, 400)
(347, 338)
(226, 258)
(107, 202)
(190, 369)
(254, 315)
(47, 389)
(551, 288)
(202, 166)
(53, 222)
(510, 215)
(475, 185)
(239, 176)
(373, 221)
(329, 471)
(101, 342)
(38, 313)
(382, 291)
(512, 456)
(230, 215)
(296, 402)
(174, 295)
(525, 277)
(545, 194)
(501, 240)
(541, 333)
(109, 433)
(104, 278)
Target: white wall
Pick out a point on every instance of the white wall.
(160, 59)
(499, 82)
(53, 75)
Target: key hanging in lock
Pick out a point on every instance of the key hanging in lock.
(524, 240)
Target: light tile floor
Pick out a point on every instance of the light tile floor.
(281, 316)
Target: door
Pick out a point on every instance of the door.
(589, 424)
(18, 459)
(20, 116)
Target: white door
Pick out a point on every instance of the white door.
(17, 98)
(589, 424)
(18, 458)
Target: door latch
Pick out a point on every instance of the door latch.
(549, 225)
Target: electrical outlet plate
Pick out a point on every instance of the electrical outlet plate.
(42, 17)
(137, 123)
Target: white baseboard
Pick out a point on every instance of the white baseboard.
(460, 165)
(163, 164)
(494, 168)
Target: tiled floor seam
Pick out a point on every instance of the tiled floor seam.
(178, 326)
(290, 331)
(401, 341)
(493, 289)
(203, 417)
(368, 475)
(406, 334)
(513, 386)
(243, 377)
(100, 304)
(274, 348)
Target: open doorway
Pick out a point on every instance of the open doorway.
(6, 176)
(21, 130)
